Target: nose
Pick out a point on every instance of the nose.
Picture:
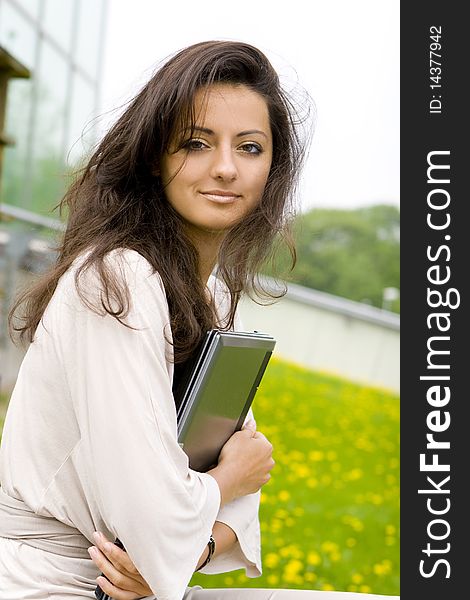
(223, 165)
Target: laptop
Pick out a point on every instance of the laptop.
(214, 391)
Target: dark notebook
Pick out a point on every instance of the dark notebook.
(213, 391)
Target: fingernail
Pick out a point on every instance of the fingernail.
(92, 552)
(97, 536)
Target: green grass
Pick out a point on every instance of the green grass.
(3, 409)
(330, 514)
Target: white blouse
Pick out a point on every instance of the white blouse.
(90, 441)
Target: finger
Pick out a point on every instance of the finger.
(115, 592)
(119, 580)
(114, 554)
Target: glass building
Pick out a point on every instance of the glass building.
(51, 98)
(51, 55)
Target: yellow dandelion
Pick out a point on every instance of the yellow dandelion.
(311, 577)
(357, 578)
(310, 433)
(276, 525)
(390, 529)
(291, 572)
(364, 444)
(283, 495)
(285, 552)
(387, 562)
(327, 587)
(315, 455)
(351, 542)
(294, 566)
(229, 580)
(329, 547)
(290, 522)
(379, 569)
(313, 558)
(272, 579)
(296, 455)
(335, 556)
(365, 589)
(291, 550)
(354, 474)
(357, 525)
(271, 560)
(302, 471)
(312, 482)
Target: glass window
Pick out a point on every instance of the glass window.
(14, 172)
(89, 32)
(49, 129)
(58, 21)
(31, 7)
(82, 125)
(17, 35)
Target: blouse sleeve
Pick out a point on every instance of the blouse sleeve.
(130, 465)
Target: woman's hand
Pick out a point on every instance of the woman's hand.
(244, 466)
(125, 581)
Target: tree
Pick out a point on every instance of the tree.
(350, 253)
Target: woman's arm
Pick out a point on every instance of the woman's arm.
(135, 478)
(123, 581)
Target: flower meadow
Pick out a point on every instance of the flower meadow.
(330, 513)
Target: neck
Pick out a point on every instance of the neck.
(207, 245)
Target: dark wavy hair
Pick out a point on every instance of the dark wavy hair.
(118, 201)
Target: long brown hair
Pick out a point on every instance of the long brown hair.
(118, 201)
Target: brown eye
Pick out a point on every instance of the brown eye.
(251, 148)
(194, 145)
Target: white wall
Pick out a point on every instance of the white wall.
(331, 334)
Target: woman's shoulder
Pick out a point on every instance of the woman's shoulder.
(117, 259)
(122, 268)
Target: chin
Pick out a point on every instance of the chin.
(217, 225)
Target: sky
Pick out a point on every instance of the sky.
(344, 54)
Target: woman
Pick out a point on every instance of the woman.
(194, 177)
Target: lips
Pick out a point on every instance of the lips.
(220, 196)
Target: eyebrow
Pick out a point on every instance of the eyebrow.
(241, 134)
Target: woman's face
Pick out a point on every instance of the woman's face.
(219, 174)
